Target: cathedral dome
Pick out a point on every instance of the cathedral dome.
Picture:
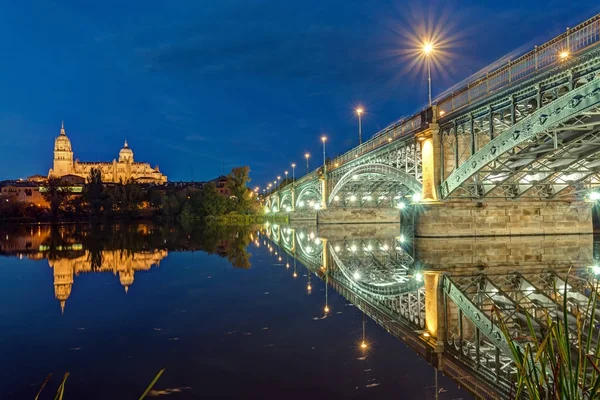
(62, 142)
(125, 154)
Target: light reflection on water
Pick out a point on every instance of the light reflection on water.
(226, 315)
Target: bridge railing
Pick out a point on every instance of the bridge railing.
(399, 129)
(582, 37)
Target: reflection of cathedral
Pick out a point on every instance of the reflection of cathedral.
(115, 171)
(121, 262)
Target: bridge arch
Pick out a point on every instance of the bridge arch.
(395, 179)
(286, 200)
(308, 194)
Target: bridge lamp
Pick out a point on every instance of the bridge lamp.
(401, 205)
(337, 248)
(307, 156)
(336, 198)
(326, 309)
(563, 55)
(416, 197)
(317, 206)
(293, 172)
(596, 269)
(595, 196)
(359, 112)
(363, 345)
(317, 241)
(419, 277)
(353, 248)
(286, 174)
(353, 198)
(301, 204)
(295, 275)
(427, 51)
(356, 275)
(324, 139)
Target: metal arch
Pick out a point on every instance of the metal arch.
(286, 196)
(538, 122)
(306, 190)
(379, 169)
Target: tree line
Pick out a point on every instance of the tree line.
(130, 200)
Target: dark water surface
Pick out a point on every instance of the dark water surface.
(216, 307)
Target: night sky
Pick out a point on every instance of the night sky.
(198, 87)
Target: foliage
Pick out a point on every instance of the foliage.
(237, 184)
(564, 363)
(56, 194)
(94, 191)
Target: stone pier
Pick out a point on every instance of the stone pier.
(457, 219)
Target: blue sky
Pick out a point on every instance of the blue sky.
(198, 87)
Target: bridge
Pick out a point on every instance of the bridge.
(444, 307)
(512, 152)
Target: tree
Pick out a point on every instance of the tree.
(237, 184)
(94, 190)
(55, 194)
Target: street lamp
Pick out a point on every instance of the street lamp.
(359, 111)
(427, 50)
(324, 139)
(293, 172)
(307, 156)
(286, 174)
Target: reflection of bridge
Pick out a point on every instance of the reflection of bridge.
(522, 137)
(448, 315)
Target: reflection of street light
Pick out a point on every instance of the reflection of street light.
(307, 156)
(427, 50)
(359, 111)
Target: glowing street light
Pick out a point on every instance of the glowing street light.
(324, 139)
(307, 156)
(286, 174)
(563, 55)
(427, 51)
(293, 172)
(359, 111)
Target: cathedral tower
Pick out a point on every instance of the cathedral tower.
(63, 155)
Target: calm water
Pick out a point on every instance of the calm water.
(217, 308)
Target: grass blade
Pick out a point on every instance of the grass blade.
(43, 386)
(149, 388)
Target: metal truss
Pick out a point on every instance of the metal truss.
(373, 184)
(526, 141)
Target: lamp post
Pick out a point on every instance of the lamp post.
(286, 174)
(307, 156)
(324, 139)
(359, 111)
(427, 50)
(293, 172)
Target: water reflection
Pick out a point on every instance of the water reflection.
(440, 297)
(124, 250)
(443, 297)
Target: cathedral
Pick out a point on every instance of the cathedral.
(114, 172)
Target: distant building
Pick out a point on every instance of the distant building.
(123, 170)
(23, 192)
(221, 185)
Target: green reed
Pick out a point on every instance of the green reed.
(564, 363)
